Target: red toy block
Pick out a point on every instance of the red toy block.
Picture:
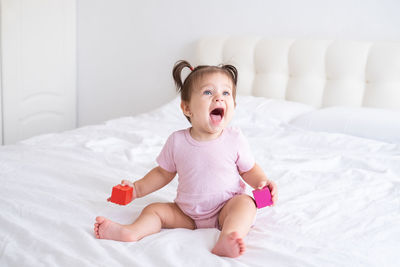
(121, 194)
(262, 197)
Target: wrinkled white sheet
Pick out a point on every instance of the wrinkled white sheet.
(339, 196)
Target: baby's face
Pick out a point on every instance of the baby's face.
(211, 106)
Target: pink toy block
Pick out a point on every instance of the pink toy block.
(121, 194)
(262, 197)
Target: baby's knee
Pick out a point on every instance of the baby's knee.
(247, 200)
(153, 208)
(161, 211)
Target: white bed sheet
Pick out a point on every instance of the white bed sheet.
(339, 196)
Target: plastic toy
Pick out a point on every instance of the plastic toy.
(262, 197)
(121, 194)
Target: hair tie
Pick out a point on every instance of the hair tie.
(191, 68)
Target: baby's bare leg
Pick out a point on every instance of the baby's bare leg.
(235, 218)
(153, 218)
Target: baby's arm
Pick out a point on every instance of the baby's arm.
(257, 179)
(152, 181)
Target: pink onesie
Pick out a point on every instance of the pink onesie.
(208, 172)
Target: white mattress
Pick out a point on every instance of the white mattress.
(339, 196)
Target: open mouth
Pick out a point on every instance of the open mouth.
(216, 115)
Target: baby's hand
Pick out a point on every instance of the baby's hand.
(272, 188)
(129, 183)
(126, 182)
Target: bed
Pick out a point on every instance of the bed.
(322, 118)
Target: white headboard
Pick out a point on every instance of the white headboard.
(320, 73)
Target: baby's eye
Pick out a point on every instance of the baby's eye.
(226, 93)
(207, 92)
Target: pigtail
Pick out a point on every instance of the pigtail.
(177, 71)
(232, 71)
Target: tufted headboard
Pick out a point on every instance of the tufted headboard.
(320, 73)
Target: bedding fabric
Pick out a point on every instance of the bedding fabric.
(372, 123)
(339, 196)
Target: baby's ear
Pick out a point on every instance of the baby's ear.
(185, 109)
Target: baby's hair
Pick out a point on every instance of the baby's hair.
(185, 87)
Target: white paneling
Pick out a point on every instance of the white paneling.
(1, 100)
(320, 73)
(127, 48)
(39, 67)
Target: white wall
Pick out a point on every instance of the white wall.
(127, 48)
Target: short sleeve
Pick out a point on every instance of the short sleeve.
(245, 160)
(166, 157)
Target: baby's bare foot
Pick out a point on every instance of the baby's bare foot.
(106, 229)
(229, 246)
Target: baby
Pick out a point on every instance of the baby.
(210, 160)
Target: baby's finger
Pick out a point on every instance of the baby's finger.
(272, 187)
(273, 199)
(274, 192)
(262, 184)
(126, 182)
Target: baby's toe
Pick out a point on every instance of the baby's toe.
(242, 246)
(100, 219)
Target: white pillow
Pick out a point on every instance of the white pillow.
(377, 124)
(261, 108)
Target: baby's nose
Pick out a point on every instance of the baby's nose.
(219, 98)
